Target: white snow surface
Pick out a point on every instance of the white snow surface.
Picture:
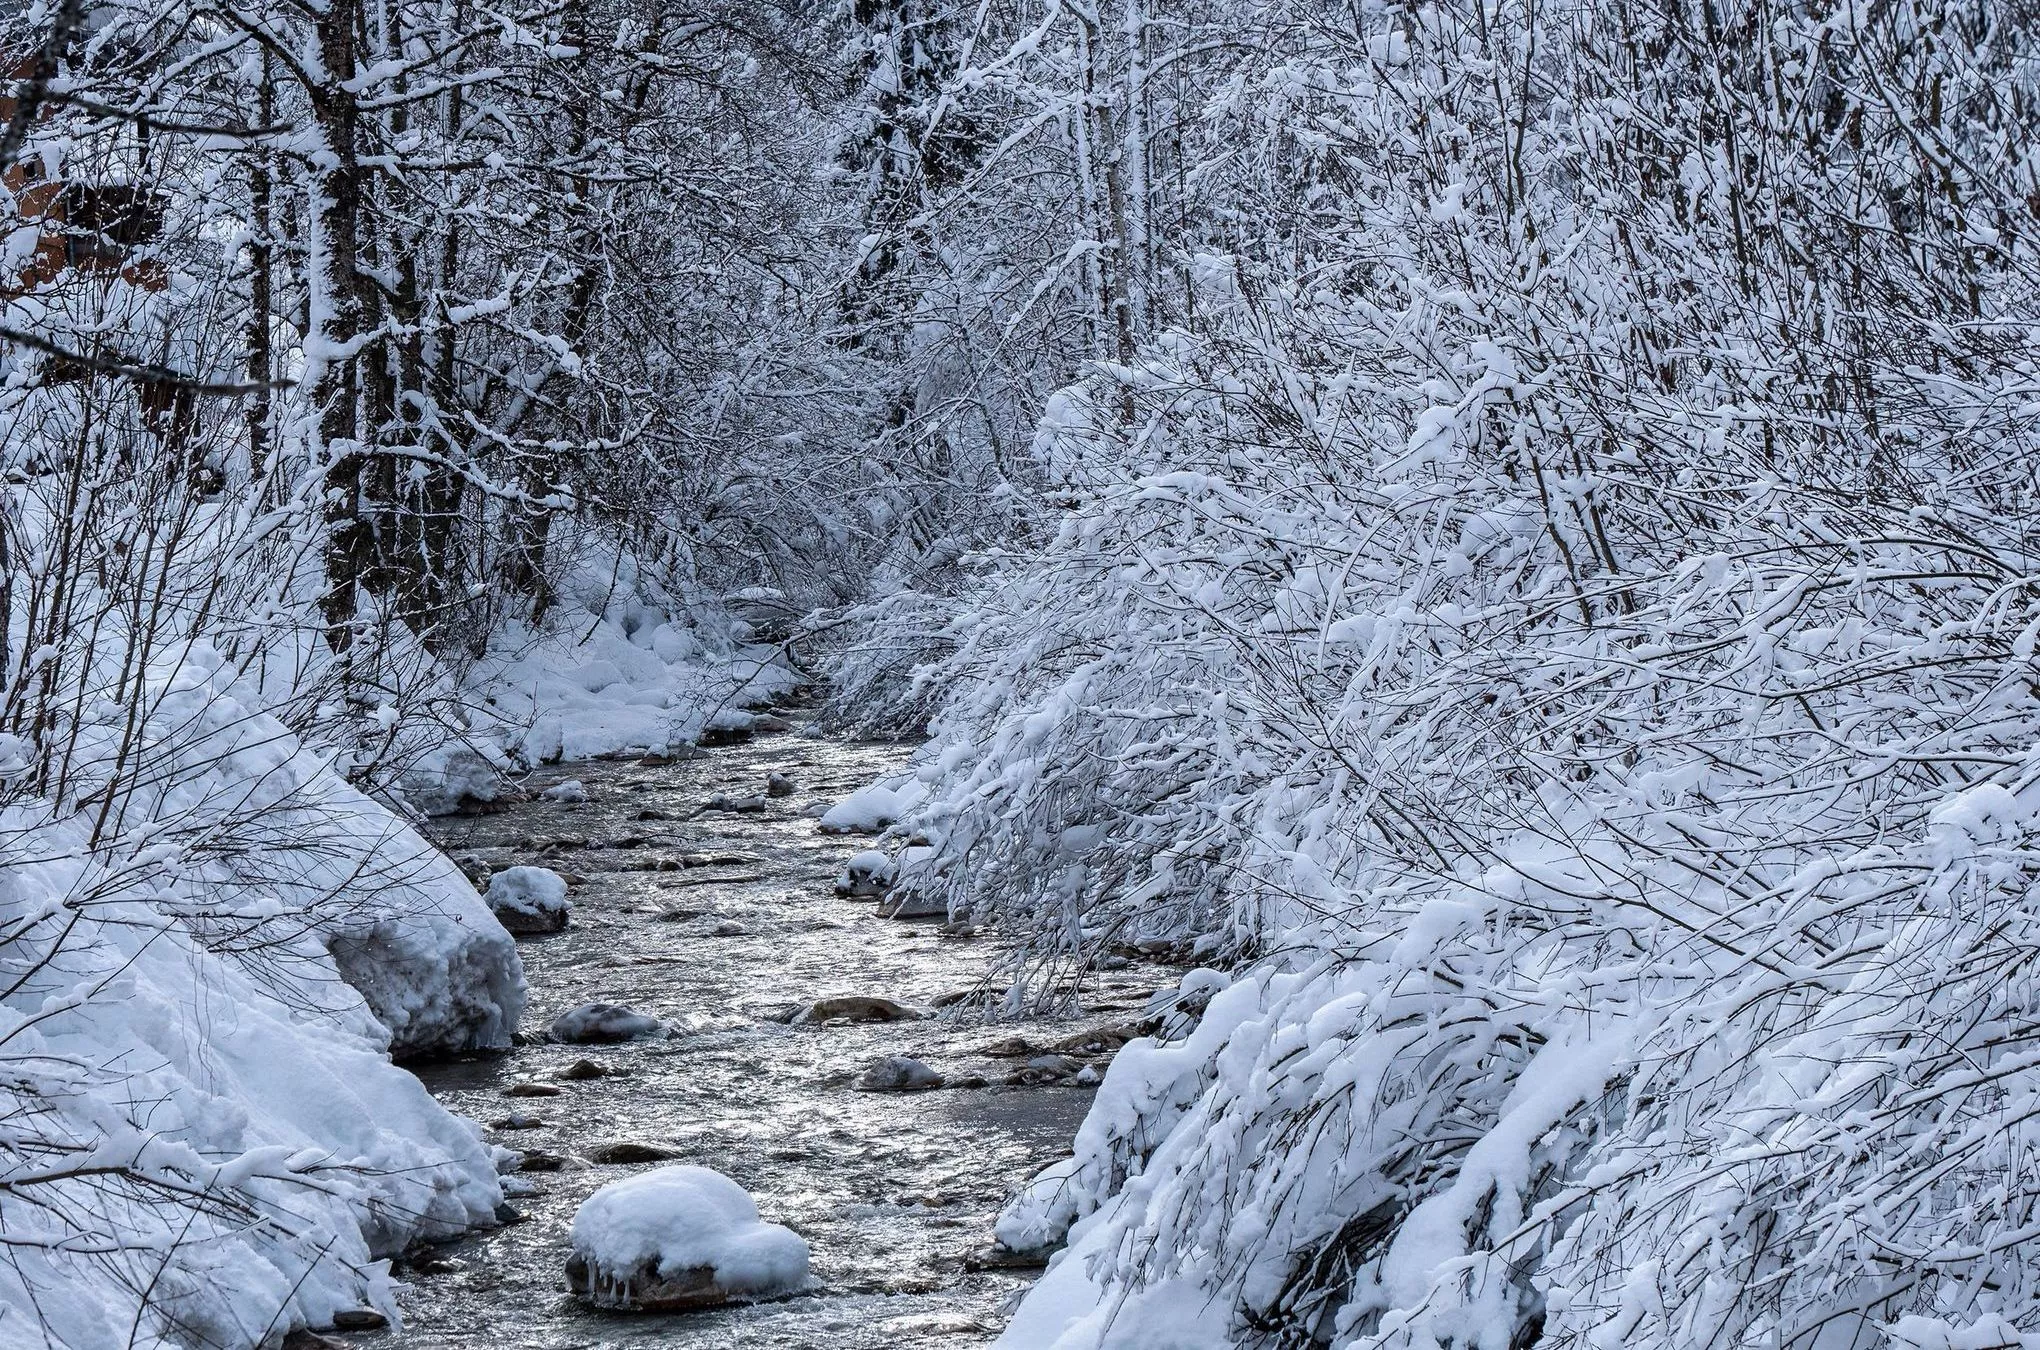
(200, 1102)
(686, 1217)
(872, 808)
(1041, 1213)
(627, 681)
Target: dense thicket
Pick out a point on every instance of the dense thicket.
(1550, 607)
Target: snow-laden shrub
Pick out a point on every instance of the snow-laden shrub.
(1572, 649)
(210, 940)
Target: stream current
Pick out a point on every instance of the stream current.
(891, 1190)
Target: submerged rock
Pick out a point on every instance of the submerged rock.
(913, 904)
(603, 1024)
(855, 1008)
(898, 1073)
(518, 1120)
(621, 1151)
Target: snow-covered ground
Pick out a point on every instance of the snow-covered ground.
(590, 685)
(203, 1139)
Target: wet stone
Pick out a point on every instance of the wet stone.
(624, 1151)
(898, 1073)
(645, 1289)
(539, 1161)
(518, 1120)
(603, 1024)
(531, 1090)
(583, 1069)
(998, 1256)
(855, 1008)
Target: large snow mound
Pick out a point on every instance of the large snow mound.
(398, 920)
(181, 1122)
(628, 681)
(685, 1218)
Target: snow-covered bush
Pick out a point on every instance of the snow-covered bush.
(1571, 648)
(210, 940)
(190, 1158)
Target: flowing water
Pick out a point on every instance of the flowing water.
(891, 1190)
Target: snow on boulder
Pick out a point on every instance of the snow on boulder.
(676, 1238)
(572, 792)
(1039, 1217)
(528, 899)
(599, 1023)
(866, 876)
(400, 922)
(870, 809)
(452, 777)
(215, 1147)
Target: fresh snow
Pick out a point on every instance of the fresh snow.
(528, 899)
(684, 1217)
(871, 809)
(202, 1105)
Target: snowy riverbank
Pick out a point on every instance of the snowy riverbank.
(205, 1139)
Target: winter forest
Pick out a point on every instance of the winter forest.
(1064, 674)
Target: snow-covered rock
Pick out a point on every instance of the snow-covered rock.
(871, 809)
(1039, 1216)
(528, 899)
(571, 792)
(680, 1237)
(243, 1148)
(392, 915)
(451, 777)
(603, 1023)
(866, 876)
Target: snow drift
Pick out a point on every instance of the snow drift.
(205, 1142)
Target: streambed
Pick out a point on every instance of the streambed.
(891, 1190)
